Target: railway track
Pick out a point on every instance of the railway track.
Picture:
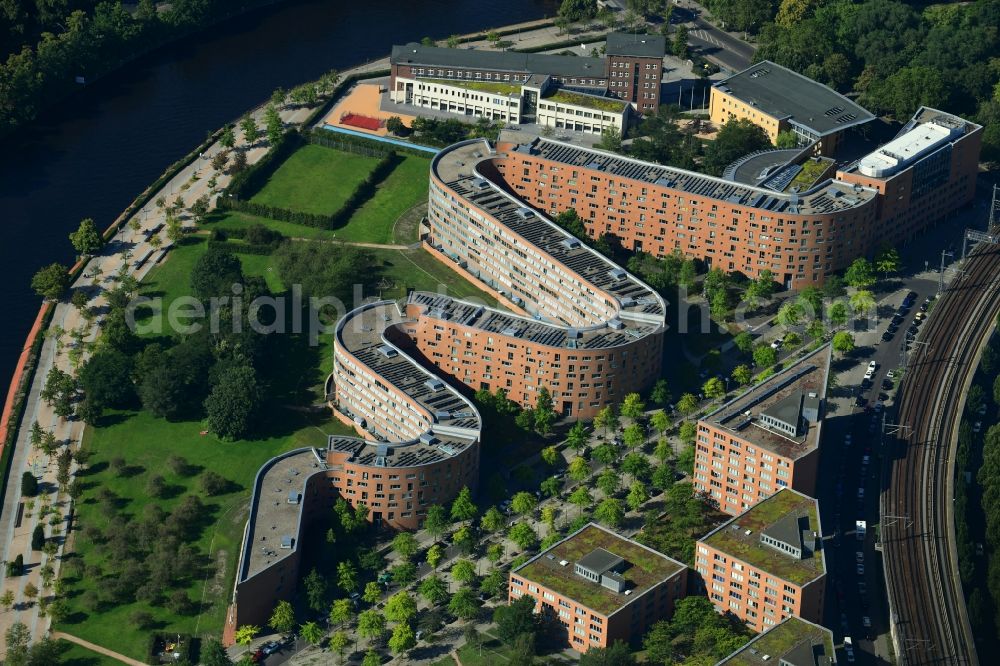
(928, 617)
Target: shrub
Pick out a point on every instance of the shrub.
(29, 485)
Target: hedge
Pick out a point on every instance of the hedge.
(246, 183)
(242, 248)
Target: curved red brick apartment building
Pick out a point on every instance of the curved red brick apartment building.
(580, 326)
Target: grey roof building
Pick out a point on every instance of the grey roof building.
(637, 46)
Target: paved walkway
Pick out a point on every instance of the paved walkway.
(56, 635)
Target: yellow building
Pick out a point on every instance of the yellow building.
(780, 100)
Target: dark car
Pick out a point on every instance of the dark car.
(866, 383)
(926, 304)
(883, 396)
(860, 401)
(887, 384)
(912, 330)
(897, 319)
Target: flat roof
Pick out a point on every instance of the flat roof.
(639, 307)
(910, 145)
(272, 516)
(807, 375)
(646, 568)
(781, 93)
(504, 61)
(828, 197)
(798, 641)
(732, 538)
(642, 46)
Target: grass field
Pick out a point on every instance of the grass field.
(315, 179)
(417, 269)
(146, 443)
(72, 654)
(404, 188)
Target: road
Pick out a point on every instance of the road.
(712, 42)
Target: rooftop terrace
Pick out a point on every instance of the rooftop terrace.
(799, 642)
(808, 375)
(740, 537)
(563, 96)
(828, 197)
(493, 87)
(645, 568)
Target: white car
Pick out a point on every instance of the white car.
(872, 365)
(869, 373)
(889, 375)
(865, 460)
(859, 557)
(776, 344)
(849, 649)
(866, 621)
(977, 426)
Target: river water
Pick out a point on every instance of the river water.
(94, 153)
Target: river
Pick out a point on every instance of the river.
(94, 153)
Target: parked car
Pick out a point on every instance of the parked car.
(859, 556)
(873, 366)
(270, 647)
(849, 649)
(890, 375)
(860, 569)
(776, 345)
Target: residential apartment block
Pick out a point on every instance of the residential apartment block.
(600, 587)
(766, 564)
(576, 93)
(766, 438)
(780, 100)
(794, 642)
(773, 211)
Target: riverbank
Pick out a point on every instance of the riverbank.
(50, 343)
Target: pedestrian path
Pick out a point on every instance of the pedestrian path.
(57, 635)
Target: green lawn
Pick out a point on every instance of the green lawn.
(315, 179)
(404, 188)
(418, 269)
(146, 443)
(72, 654)
(227, 220)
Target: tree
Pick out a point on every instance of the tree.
(404, 574)
(338, 643)
(228, 137)
(515, 619)
(372, 658)
(347, 576)
(860, 274)
(679, 47)
(464, 604)
(606, 419)
(579, 469)
(843, 342)
(687, 432)
(661, 422)
(312, 633)
(372, 592)
(634, 436)
(7, 600)
(463, 571)
(606, 453)
(433, 590)
(86, 240)
(405, 545)
(402, 638)
(744, 342)
(789, 314)
(581, 497)
(544, 413)
(633, 407)
(576, 438)
(250, 130)
(282, 618)
(688, 404)
(550, 455)
(29, 484)
(315, 587)
(862, 302)
(50, 282)
(465, 538)
(341, 612)
(215, 272)
(371, 625)
(523, 503)
(787, 139)
(273, 125)
(636, 465)
(610, 512)
(837, 314)
(578, 10)
(38, 538)
(618, 654)
(436, 521)
(764, 356)
(736, 138)
(463, 508)
(714, 388)
(887, 260)
(492, 520)
(239, 164)
(611, 140)
(524, 536)
(660, 394)
(234, 402)
(400, 607)
(245, 634)
(637, 495)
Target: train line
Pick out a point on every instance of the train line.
(928, 617)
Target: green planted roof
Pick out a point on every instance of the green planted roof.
(732, 538)
(779, 641)
(589, 101)
(493, 87)
(644, 569)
